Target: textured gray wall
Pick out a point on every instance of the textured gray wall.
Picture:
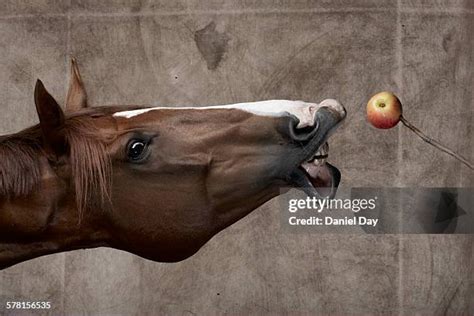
(215, 52)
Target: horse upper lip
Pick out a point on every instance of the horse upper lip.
(317, 157)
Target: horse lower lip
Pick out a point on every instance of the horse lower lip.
(318, 180)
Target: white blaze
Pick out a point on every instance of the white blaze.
(304, 111)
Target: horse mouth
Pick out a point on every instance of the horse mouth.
(317, 177)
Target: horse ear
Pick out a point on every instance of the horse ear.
(76, 96)
(51, 122)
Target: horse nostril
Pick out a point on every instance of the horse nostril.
(303, 133)
(307, 119)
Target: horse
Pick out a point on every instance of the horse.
(158, 182)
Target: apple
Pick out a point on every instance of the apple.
(384, 110)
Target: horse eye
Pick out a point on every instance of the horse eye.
(137, 150)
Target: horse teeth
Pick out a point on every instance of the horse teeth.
(322, 151)
(319, 162)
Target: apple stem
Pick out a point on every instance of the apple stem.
(435, 143)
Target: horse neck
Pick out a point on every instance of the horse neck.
(45, 221)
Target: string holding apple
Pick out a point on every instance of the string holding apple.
(384, 111)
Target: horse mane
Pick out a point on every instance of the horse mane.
(90, 165)
(19, 164)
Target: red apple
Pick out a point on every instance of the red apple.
(384, 110)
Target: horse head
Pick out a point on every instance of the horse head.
(161, 181)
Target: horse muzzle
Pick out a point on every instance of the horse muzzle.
(312, 172)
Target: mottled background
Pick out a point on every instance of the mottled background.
(214, 52)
